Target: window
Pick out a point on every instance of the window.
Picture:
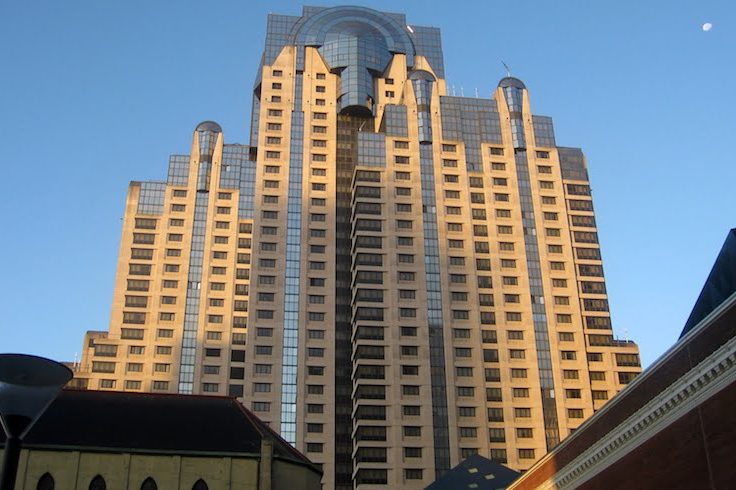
(510, 281)
(522, 413)
(526, 454)
(462, 352)
(103, 367)
(410, 390)
(138, 284)
(161, 367)
(263, 350)
(477, 197)
(599, 394)
(495, 151)
(97, 483)
(261, 406)
(411, 410)
(520, 392)
(133, 385)
(627, 360)
(568, 355)
(585, 237)
(493, 395)
(517, 354)
(315, 370)
(46, 482)
(465, 391)
(200, 485)
(468, 431)
(495, 414)
(464, 372)
(575, 413)
(595, 357)
(572, 393)
(519, 373)
(262, 368)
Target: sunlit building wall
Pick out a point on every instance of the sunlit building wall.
(394, 278)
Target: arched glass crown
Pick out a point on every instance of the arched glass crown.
(357, 43)
(511, 82)
(209, 126)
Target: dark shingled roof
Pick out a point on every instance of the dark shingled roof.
(721, 283)
(146, 422)
(476, 472)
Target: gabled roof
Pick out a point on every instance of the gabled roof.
(476, 472)
(146, 422)
(721, 283)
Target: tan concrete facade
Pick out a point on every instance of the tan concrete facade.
(491, 363)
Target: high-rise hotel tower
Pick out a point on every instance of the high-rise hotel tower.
(393, 277)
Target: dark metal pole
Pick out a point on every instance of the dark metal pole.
(11, 456)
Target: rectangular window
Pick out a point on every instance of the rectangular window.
(575, 413)
(520, 392)
(526, 454)
(144, 238)
(522, 413)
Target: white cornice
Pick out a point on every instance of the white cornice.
(652, 370)
(702, 382)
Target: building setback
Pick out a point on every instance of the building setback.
(392, 277)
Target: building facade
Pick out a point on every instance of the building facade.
(392, 277)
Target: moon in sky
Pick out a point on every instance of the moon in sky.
(707, 26)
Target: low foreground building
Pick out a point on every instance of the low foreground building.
(99, 440)
(674, 426)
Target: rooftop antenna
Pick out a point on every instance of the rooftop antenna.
(508, 70)
(361, 126)
(476, 92)
(626, 334)
(462, 92)
(453, 91)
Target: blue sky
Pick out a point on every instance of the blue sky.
(95, 94)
